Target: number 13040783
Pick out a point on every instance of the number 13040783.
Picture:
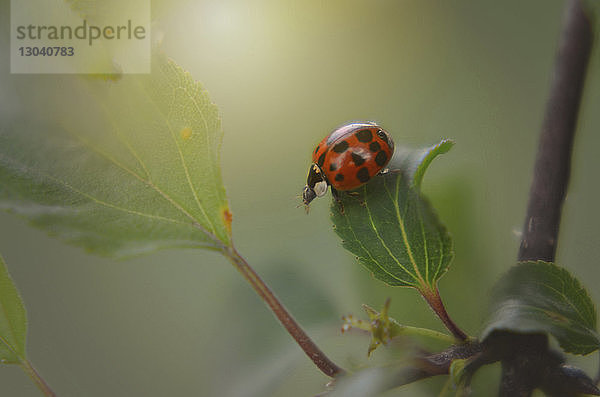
(46, 51)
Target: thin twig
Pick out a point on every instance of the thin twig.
(323, 362)
(37, 379)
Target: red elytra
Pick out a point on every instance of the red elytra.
(348, 158)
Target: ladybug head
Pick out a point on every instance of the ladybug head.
(308, 195)
(316, 185)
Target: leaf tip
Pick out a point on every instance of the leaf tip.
(427, 157)
(445, 145)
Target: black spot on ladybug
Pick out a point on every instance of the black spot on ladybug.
(358, 159)
(317, 149)
(383, 136)
(332, 167)
(363, 175)
(381, 158)
(339, 177)
(364, 135)
(340, 147)
(374, 146)
(321, 159)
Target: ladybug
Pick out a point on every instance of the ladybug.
(347, 158)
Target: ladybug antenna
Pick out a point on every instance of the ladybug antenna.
(298, 197)
(306, 207)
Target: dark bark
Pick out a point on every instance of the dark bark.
(529, 366)
(428, 365)
(552, 166)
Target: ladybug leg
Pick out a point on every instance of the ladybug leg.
(336, 194)
(338, 199)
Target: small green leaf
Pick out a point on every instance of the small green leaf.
(392, 228)
(541, 297)
(384, 328)
(13, 320)
(129, 167)
(414, 162)
(457, 368)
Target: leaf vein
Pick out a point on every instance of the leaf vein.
(11, 329)
(565, 298)
(372, 224)
(425, 253)
(369, 253)
(183, 163)
(403, 231)
(118, 133)
(135, 175)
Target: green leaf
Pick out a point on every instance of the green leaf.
(13, 320)
(414, 162)
(457, 370)
(384, 328)
(129, 167)
(541, 297)
(391, 227)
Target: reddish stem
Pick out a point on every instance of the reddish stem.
(432, 296)
(327, 366)
(37, 379)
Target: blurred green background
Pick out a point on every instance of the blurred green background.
(284, 74)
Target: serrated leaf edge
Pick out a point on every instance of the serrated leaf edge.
(18, 354)
(577, 285)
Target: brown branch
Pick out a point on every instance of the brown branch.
(434, 300)
(37, 379)
(552, 165)
(521, 371)
(309, 347)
